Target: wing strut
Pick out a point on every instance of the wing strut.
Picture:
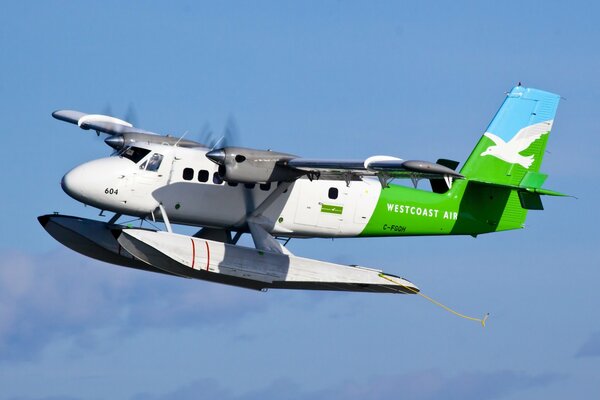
(165, 218)
(264, 241)
(256, 223)
(281, 188)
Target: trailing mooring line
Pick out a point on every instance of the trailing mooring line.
(437, 303)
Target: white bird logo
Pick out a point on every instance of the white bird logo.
(510, 151)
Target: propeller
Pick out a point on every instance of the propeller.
(116, 142)
(229, 137)
(131, 114)
(231, 133)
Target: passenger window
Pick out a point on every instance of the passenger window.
(249, 185)
(333, 193)
(265, 186)
(232, 184)
(154, 162)
(188, 174)
(203, 175)
(217, 178)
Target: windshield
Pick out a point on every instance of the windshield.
(134, 154)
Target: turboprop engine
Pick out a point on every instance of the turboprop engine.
(239, 164)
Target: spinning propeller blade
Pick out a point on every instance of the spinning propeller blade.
(229, 137)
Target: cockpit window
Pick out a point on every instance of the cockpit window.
(154, 162)
(134, 154)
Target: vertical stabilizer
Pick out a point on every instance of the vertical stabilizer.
(505, 163)
(514, 142)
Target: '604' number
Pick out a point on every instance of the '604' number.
(111, 191)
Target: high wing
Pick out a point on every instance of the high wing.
(245, 165)
(122, 132)
(98, 122)
(383, 167)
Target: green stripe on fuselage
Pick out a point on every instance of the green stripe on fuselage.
(403, 210)
(467, 209)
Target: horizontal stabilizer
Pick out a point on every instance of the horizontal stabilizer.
(539, 191)
(533, 180)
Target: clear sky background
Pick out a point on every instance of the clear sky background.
(319, 79)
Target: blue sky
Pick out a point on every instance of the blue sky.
(319, 79)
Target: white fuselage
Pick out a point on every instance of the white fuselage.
(139, 179)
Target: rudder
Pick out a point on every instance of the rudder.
(515, 140)
(502, 172)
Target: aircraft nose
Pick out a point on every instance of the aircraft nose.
(75, 183)
(104, 183)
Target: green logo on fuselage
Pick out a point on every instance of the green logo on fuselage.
(328, 208)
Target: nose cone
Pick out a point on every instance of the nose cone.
(216, 156)
(75, 183)
(88, 182)
(110, 184)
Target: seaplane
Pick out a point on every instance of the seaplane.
(230, 191)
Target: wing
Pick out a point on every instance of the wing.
(526, 136)
(122, 132)
(384, 167)
(243, 165)
(98, 123)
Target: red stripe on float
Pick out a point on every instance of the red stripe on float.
(193, 253)
(207, 256)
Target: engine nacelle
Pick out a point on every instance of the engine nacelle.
(239, 164)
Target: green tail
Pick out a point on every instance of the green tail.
(502, 173)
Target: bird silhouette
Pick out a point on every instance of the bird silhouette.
(510, 151)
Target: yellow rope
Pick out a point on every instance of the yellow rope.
(437, 303)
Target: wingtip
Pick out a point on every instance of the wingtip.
(70, 116)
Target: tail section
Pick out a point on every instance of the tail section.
(515, 140)
(502, 172)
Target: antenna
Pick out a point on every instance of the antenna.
(179, 140)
